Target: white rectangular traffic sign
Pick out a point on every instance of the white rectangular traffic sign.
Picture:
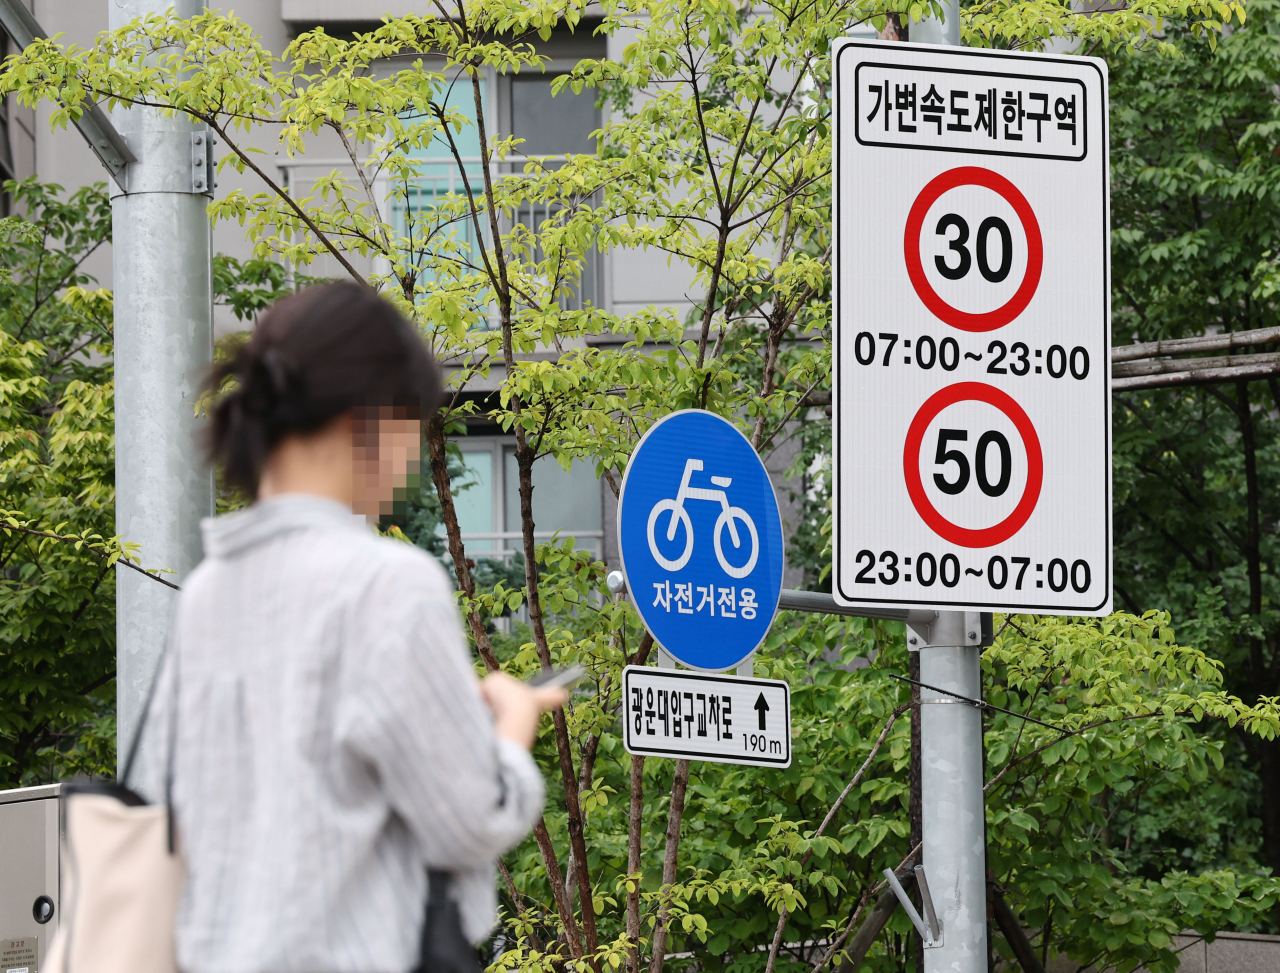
(695, 716)
(972, 330)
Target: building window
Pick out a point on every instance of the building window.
(487, 499)
(439, 175)
(554, 126)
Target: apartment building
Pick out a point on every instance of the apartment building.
(572, 503)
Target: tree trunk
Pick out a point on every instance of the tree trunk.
(861, 942)
(525, 456)
(1012, 929)
(437, 457)
(552, 866)
(635, 865)
(1269, 771)
(669, 859)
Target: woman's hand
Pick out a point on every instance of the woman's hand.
(517, 707)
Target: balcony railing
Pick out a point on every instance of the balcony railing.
(441, 177)
(513, 537)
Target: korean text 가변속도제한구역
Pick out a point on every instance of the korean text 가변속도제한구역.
(970, 112)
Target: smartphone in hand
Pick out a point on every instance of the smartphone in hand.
(557, 678)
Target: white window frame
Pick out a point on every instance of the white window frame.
(511, 542)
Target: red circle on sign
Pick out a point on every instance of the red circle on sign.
(964, 536)
(965, 321)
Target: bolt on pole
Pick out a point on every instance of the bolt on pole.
(953, 813)
(161, 253)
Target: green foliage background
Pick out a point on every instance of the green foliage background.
(57, 599)
(1196, 223)
(1091, 829)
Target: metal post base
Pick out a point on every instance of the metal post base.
(951, 790)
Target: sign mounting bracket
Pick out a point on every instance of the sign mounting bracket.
(107, 143)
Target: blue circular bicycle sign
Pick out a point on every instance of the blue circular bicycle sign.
(700, 538)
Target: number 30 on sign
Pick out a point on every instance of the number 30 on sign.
(972, 439)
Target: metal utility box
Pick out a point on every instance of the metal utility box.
(30, 907)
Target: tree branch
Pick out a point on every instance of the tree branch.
(98, 554)
(289, 200)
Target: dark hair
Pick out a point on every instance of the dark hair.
(313, 356)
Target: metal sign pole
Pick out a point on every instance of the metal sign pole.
(934, 31)
(953, 814)
(163, 347)
(952, 810)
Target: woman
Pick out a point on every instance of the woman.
(330, 741)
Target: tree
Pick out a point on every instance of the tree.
(58, 555)
(717, 154)
(42, 291)
(57, 596)
(1196, 184)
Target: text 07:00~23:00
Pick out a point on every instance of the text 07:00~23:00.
(1017, 359)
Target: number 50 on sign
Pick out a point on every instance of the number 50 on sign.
(972, 330)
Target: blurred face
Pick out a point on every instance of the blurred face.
(385, 446)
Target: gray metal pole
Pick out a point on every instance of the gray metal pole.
(934, 31)
(161, 251)
(953, 815)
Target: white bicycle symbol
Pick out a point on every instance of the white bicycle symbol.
(727, 517)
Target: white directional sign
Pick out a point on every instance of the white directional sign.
(972, 399)
(695, 716)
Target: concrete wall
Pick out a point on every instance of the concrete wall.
(1230, 952)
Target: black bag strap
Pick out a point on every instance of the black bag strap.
(170, 657)
(135, 743)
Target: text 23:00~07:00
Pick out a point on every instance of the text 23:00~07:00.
(947, 569)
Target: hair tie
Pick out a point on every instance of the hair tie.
(273, 363)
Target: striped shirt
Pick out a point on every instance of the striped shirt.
(331, 744)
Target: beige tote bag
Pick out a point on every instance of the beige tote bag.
(122, 878)
(120, 885)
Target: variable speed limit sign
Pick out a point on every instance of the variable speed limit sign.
(972, 463)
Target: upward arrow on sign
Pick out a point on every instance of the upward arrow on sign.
(761, 707)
